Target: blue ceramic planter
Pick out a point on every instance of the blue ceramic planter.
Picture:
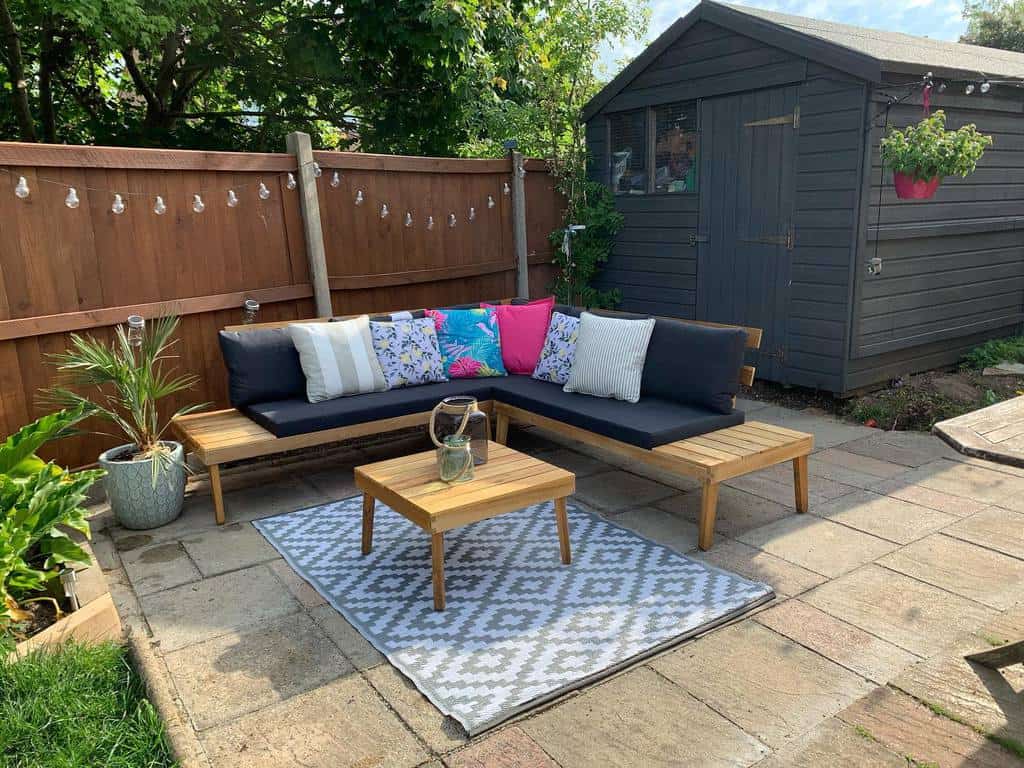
(136, 502)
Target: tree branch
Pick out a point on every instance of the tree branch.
(16, 70)
(138, 78)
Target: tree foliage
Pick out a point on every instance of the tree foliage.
(995, 23)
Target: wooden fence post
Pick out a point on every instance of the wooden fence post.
(519, 224)
(298, 144)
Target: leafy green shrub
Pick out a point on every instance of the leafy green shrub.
(77, 706)
(926, 149)
(906, 408)
(37, 499)
(993, 352)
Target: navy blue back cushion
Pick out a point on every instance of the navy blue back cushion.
(262, 366)
(694, 364)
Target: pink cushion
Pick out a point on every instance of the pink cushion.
(522, 328)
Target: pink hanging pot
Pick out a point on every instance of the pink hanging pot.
(909, 188)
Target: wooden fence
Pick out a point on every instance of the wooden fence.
(85, 269)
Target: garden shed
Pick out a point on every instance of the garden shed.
(742, 149)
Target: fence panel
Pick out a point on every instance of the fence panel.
(85, 269)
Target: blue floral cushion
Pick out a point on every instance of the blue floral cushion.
(470, 342)
(408, 352)
(559, 349)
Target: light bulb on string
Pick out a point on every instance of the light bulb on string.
(159, 206)
(969, 89)
(263, 192)
(72, 201)
(117, 206)
(197, 204)
(506, 188)
(986, 86)
(521, 171)
(291, 181)
(430, 222)
(490, 202)
(232, 199)
(317, 171)
(335, 179)
(384, 212)
(359, 197)
(408, 219)
(451, 219)
(21, 191)
(472, 213)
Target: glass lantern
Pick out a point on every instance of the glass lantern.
(461, 415)
(136, 329)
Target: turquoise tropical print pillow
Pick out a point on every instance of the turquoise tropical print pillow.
(470, 342)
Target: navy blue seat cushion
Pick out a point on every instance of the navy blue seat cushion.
(296, 416)
(262, 365)
(694, 364)
(649, 423)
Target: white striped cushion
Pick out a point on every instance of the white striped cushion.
(610, 355)
(337, 358)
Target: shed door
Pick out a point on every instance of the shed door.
(746, 216)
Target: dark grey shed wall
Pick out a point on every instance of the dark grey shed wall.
(953, 266)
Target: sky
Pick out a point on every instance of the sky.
(940, 19)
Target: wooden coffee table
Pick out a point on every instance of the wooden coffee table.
(510, 480)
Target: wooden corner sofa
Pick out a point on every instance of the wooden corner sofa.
(711, 447)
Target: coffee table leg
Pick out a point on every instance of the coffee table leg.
(563, 530)
(368, 503)
(437, 557)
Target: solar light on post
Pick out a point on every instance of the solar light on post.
(570, 265)
(249, 310)
(136, 330)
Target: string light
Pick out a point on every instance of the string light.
(521, 171)
(969, 89)
(117, 207)
(506, 188)
(490, 202)
(451, 219)
(472, 213)
(335, 179)
(232, 199)
(72, 201)
(159, 207)
(263, 192)
(359, 197)
(291, 181)
(21, 191)
(197, 204)
(384, 212)
(986, 86)
(430, 222)
(317, 171)
(408, 219)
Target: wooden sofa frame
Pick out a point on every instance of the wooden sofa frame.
(228, 435)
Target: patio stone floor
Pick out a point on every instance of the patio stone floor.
(911, 556)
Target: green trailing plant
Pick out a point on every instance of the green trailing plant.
(129, 384)
(38, 502)
(591, 247)
(926, 149)
(993, 352)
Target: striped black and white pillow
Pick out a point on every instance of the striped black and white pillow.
(337, 358)
(610, 355)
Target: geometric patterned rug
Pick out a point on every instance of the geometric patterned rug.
(520, 628)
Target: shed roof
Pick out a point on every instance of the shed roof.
(860, 51)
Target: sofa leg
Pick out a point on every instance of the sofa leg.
(800, 482)
(708, 507)
(501, 429)
(218, 493)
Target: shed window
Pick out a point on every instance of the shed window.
(629, 152)
(675, 147)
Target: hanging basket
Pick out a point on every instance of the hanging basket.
(909, 188)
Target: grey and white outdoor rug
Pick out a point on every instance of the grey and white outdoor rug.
(520, 628)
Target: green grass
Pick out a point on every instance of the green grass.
(77, 706)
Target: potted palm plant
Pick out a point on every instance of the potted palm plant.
(145, 478)
(923, 153)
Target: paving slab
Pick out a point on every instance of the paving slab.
(159, 566)
(508, 748)
(917, 617)
(957, 506)
(962, 568)
(816, 544)
(834, 743)
(579, 464)
(770, 686)
(234, 674)
(341, 724)
(985, 698)
(996, 528)
(747, 405)
(660, 526)
(883, 516)
(228, 548)
(776, 484)
(784, 577)
(843, 643)
(297, 586)
(617, 491)
(441, 733)
(356, 648)
(738, 511)
(851, 468)
(235, 601)
(972, 481)
(910, 729)
(640, 713)
(334, 482)
(911, 449)
(828, 432)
